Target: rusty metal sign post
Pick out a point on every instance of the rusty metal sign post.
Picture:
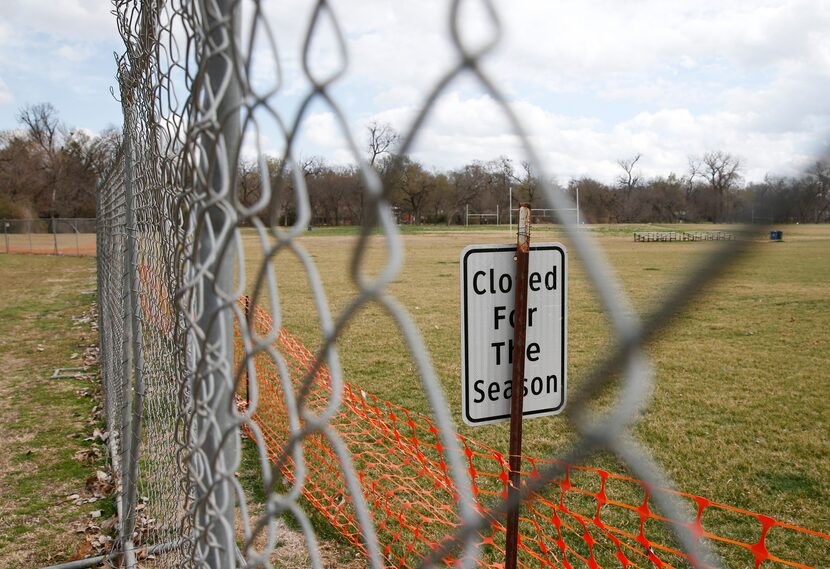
(514, 344)
(519, 337)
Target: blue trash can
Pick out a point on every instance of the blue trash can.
(776, 235)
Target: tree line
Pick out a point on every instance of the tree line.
(49, 170)
(711, 190)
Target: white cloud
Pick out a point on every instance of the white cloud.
(60, 51)
(461, 129)
(592, 81)
(320, 129)
(85, 20)
(583, 39)
(395, 96)
(598, 81)
(75, 52)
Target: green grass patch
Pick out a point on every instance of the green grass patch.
(250, 477)
(44, 420)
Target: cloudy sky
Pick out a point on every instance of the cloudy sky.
(592, 81)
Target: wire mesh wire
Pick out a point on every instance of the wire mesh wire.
(179, 350)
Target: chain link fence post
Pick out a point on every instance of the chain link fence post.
(132, 365)
(213, 390)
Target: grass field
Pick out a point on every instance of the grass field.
(739, 413)
(740, 409)
(44, 421)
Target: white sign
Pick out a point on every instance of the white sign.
(487, 316)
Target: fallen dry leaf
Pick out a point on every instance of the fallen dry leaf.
(109, 524)
(84, 550)
(88, 455)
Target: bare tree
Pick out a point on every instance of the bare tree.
(529, 183)
(596, 200)
(313, 169)
(817, 182)
(282, 208)
(22, 176)
(471, 185)
(43, 129)
(694, 171)
(626, 200)
(383, 139)
(629, 179)
(42, 125)
(382, 142)
(722, 172)
(248, 182)
(503, 176)
(95, 153)
(312, 166)
(50, 171)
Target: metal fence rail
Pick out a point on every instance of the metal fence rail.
(172, 269)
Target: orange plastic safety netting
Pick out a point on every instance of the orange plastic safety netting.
(587, 518)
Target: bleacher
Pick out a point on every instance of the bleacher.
(655, 236)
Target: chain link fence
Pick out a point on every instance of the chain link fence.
(199, 372)
(54, 236)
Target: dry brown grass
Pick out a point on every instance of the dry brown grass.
(739, 413)
(740, 409)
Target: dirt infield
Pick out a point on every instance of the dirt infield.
(70, 244)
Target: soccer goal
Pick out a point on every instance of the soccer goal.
(481, 218)
(548, 215)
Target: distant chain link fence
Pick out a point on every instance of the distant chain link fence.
(189, 365)
(54, 236)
